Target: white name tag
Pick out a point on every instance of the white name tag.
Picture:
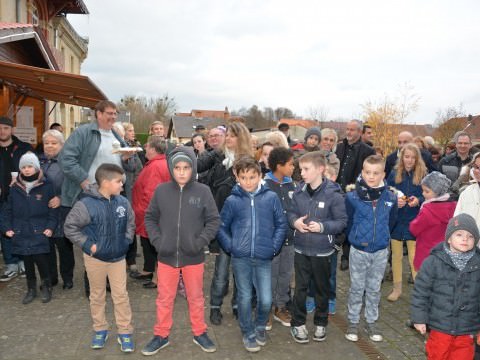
(321, 204)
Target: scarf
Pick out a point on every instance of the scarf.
(366, 192)
(443, 197)
(229, 159)
(459, 260)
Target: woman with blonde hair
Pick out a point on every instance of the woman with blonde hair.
(221, 179)
(406, 177)
(277, 139)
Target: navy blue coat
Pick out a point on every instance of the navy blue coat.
(368, 226)
(28, 215)
(253, 225)
(327, 206)
(406, 214)
(446, 298)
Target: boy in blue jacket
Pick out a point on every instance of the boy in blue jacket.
(253, 230)
(102, 223)
(318, 215)
(372, 211)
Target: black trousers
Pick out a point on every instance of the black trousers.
(66, 257)
(316, 268)
(41, 260)
(132, 252)
(149, 255)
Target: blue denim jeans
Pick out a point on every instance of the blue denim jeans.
(249, 273)
(220, 280)
(8, 257)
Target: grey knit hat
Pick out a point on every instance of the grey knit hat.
(29, 159)
(313, 131)
(437, 182)
(462, 222)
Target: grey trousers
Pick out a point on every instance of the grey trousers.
(282, 270)
(366, 274)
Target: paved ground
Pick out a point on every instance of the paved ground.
(62, 328)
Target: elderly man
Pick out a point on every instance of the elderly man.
(451, 164)
(216, 137)
(11, 150)
(351, 152)
(406, 137)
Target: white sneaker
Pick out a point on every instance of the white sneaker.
(8, 275)
(374, 333)
(299, 334)
(352, 332)
(320, 333)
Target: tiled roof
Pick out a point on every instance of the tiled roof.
(307, 124)
(8, 25)
(184, 125)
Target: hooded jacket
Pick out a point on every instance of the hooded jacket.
(327, 207)
(446, 298)
(253, 224)
(107, 223)
(180, 221)
(28, 215)
(429, 228)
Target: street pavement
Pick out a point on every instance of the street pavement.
(61, 329)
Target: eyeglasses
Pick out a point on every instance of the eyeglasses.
(214, 135)
(110, 113)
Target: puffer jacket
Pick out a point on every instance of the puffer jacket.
(406, 214)
(28, 215)
(446, 298)
(181, 221)
(108, 223)
(369, 223)
(253, 225)
(326, 206)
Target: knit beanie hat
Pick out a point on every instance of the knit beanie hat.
(6, 121)
(462, 222)
(178, 156)
(29, 159)
(437, 182)
(313, 131)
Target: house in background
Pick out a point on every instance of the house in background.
(40, 59)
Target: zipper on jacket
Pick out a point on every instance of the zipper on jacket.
(374, 226)
(178, 224)
(252, 244)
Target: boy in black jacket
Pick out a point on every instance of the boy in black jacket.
(446, 292)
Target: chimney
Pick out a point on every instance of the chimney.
(226, 114)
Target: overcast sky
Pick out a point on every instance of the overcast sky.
(209, 54)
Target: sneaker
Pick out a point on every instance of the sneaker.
(269, 324)
(99, 339)
(8, 275)
(155, 345)
(29, 296)
(332, 307)
(283, 316)
(251, 344)
(205, 343)
(310, 304)
(374, 333)
(320, 333)
(352, 332)
(126, 342)
(216, 316)
(261, 337)
(299, 334)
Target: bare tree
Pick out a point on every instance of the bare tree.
(448, 122)
(318, 113)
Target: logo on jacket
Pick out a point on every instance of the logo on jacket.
(121, 211)
(39, 197)
(194, 201)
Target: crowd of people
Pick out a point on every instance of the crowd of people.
(275, 211)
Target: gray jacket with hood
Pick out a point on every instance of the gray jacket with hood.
(181, 221)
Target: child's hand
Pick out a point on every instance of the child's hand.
(413, 201)
(10, 233)
(402, 201)
(48, 233)
(315, 227)
(300, 225)
(93, 249)
(421, 328)
(54, 202)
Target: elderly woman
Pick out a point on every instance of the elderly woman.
(52, 144)
(328, 145)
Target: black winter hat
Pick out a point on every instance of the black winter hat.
(6, 121)
(462, 222)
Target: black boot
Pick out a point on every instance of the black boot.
(29, 296)
(215, 316)
(46, 291)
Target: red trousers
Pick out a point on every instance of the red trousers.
(442, 346)
(167, 283)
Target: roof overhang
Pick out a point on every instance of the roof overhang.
(51, 85)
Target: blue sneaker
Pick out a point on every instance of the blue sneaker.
(99, 339)
(205, 343)
(126, 342)
(155, 345)
(261, 337)
(310, 304)
(251, 344)
(332, 306)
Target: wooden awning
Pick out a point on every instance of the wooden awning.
(51, 85)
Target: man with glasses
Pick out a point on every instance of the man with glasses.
(451, 164)
(216, 137)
